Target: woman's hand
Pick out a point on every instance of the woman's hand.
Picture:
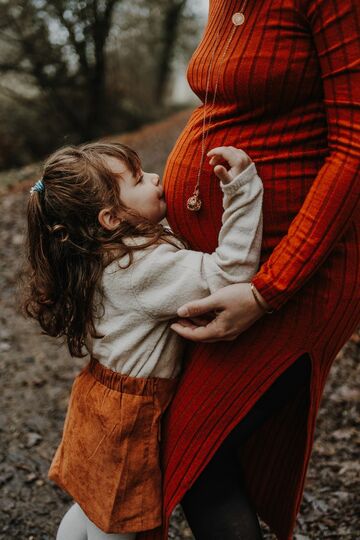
(236, 159)
(222, 316)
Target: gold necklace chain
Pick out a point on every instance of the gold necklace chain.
(194, 202)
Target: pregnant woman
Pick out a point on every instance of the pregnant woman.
(279, 79)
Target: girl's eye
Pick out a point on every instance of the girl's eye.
(140, 179)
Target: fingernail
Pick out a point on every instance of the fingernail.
(183, 312)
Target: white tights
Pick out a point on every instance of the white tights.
(76, 526)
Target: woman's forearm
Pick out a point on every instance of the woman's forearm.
(333, 200)
(260, 300)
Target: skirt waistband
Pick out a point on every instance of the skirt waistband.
(141, 386)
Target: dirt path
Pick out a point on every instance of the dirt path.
(36, 375)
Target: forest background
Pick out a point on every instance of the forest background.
(72, 72)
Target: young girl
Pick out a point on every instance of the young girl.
(109, 277)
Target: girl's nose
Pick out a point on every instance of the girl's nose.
(156, 179)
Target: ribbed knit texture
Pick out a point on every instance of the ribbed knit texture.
(289, 95)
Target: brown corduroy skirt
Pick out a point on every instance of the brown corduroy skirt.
(108, 458)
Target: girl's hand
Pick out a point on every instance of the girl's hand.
(231, 309)
(236, 159)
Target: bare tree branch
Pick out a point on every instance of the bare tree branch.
(79, 46)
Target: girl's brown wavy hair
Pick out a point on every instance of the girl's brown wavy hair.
(67, 249)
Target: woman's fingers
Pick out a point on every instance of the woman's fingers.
(209, 333)
(199, 307)
(233, 307)
(202, 321)
(192, 332)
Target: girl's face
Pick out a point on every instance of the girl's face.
(142, 193)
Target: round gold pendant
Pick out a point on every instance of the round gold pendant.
(193, 203)
(238, 19)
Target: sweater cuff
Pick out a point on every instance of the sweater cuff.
(265, 285)
(241, 179)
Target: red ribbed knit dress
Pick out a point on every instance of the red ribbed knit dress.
(289, 95)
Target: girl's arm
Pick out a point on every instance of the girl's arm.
(168, 277)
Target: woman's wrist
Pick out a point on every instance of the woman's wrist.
(260, 300)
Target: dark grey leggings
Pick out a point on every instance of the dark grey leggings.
(217, 506)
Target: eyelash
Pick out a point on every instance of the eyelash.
(140, 179)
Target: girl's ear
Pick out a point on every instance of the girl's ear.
(108, 220)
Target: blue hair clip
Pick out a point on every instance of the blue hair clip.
(39, 186)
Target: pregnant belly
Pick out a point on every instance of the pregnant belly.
(287, 174)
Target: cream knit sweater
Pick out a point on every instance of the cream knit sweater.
(141, 301)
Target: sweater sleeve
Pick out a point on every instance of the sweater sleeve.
(167, 277)
(333, 199)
